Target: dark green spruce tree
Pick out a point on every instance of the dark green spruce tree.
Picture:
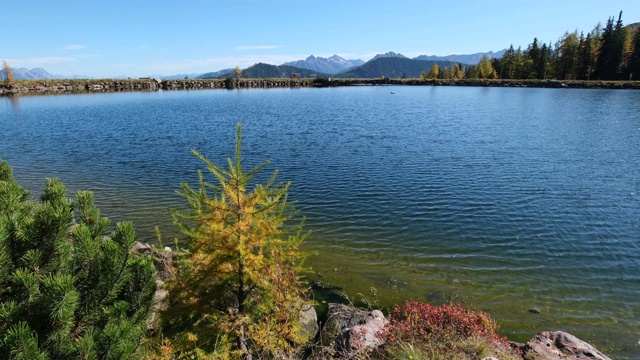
(611, 54)
(543, 61)
(533, 58)
(506, 63)
(585, 58)
(69, 289)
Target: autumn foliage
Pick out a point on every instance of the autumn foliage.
(236, 290)
(417, 322)
(8, 73)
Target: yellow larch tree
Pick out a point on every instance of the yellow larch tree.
(237, 284)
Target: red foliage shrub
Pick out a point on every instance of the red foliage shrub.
(419, 321)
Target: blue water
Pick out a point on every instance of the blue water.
(507, 199)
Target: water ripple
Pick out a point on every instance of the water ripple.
(508, 198)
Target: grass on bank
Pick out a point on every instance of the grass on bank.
(471, 348)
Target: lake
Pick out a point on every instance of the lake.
(521, 202)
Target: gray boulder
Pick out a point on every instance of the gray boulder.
(340, 318)
(362, 337)
(559, 345)
(163, 262)
(163, 258)
(309, 323)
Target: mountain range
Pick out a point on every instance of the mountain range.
(338, 65)
(262, 70)
(389, 64)
(182, 76)
(209, 75)
(393, 67)
(38, 74)
(331, 65)
(390, 54)
(26, 74)
(471, 59)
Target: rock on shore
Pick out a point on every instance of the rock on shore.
(559, 345)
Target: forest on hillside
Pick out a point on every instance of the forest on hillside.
(611, 52)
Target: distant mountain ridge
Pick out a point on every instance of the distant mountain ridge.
(38, 74)
(262, 70)
(389, 54)
(29, 74)
(331, 65)
(180, 76)
(393, 67)
(471, 59)
(216, 74)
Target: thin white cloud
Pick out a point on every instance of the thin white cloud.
(73, 47)
(40, 61)
(258, 47)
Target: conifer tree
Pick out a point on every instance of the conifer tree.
(458, 71)
(517, 65)
(566, 56)
(434, 72)
(236, 290)
(584, 57)
(533, 58)
(8, 73)
(634, 62)
(506, 63)
(483, 70)
(611, 55)
(68, 288)
(543, 60)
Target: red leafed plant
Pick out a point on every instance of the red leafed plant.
(418, 321)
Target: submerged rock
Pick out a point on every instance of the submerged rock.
(556, 345)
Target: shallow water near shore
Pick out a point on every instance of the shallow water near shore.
(507, 199)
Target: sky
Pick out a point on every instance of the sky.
(100, 38)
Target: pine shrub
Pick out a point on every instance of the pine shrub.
(69, 288)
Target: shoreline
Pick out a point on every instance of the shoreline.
(47, 87)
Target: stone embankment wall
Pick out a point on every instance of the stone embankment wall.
(29, 87)
(76, 86)
(236, 84)
(84, 86)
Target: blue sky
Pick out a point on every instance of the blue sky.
(100, 38)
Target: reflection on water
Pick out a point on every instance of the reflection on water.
(14, 100)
